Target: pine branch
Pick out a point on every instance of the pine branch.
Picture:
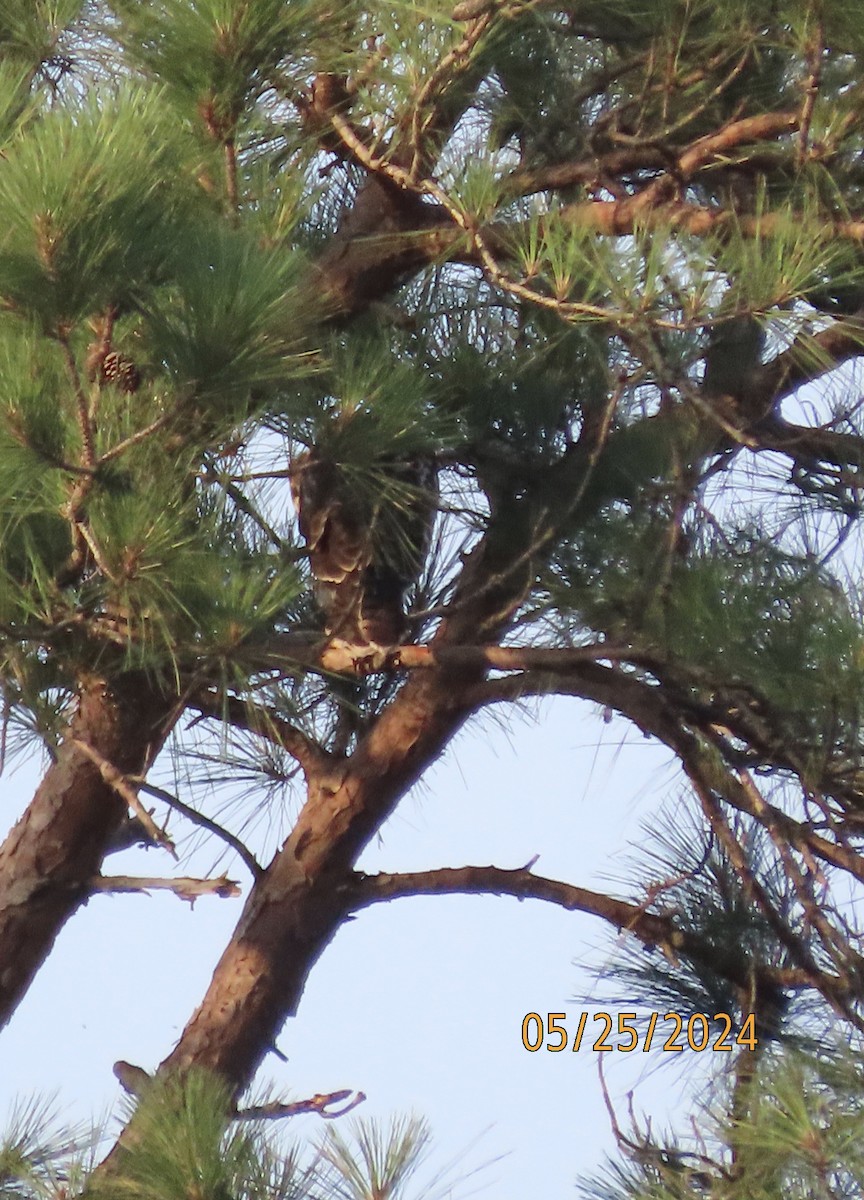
(352, 280)
(706, 150)
(653, 713)
(425, 118)
(651, 710)
(755, 892)
(652, 929)
(812, 446)
(517, 658)
(142, 435)
(555, 177)
(85, 420)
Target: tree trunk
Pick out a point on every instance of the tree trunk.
(296, 908)
(56, 848)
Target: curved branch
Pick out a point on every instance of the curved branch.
(808, 359)
(652, 929)
(526, 182)
(649, 708)
(198, 818)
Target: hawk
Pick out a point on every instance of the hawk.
(367, 540)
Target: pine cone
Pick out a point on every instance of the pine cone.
(120, 370)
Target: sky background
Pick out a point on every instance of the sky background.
(418, 1003)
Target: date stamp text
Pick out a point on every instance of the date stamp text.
(670, 1032)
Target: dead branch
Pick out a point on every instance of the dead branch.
(136, 1081)
(184, 886)
(318, 1103)
(121, 785)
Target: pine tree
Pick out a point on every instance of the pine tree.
(519, 300)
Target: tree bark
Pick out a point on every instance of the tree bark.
(53, 852)
(294, 911)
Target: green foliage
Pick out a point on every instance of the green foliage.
(189, 1144)
(373, 403)
(804, 1132)
(216, 56)
(229, 323)
(84, 210)
(738, 611)
(37, 1152)
(518, 380)
(375, 1161)
(535, 101)
(29, 30)
(705, 890)
(801, 1140)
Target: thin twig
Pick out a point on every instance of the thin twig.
(85, 424)
(811, 90)
(231, 175)
(456, 61)
(120, 783)
(198, 818)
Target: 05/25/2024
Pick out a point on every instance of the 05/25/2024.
(693, 1033)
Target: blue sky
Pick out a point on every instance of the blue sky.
(418, 1003)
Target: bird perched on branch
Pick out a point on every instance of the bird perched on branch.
(368, 532)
